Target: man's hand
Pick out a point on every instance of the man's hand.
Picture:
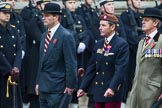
(160, 97)
(109, 93)
(37, 89)
(14, 74)
(80, 93)
(69, 91)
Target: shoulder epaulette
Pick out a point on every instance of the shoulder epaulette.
(12, 25)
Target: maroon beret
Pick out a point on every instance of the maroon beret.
(109, 17)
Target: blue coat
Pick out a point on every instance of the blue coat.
(107, 71)
(10, 56)
(57, 68)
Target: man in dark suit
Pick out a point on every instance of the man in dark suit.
(57, 65)
(107, 66)
(10, 60)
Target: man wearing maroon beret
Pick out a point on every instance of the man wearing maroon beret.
(107, 66)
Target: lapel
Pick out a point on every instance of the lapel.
(151, 45)
(52, 43)
(42, 45)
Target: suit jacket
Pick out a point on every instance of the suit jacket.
(57, 68)
(148, 79)
(107, 71)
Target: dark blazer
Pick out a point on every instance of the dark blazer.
(57, 68)
(107, 71)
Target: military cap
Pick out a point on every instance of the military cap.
(110, 18)
(52, 8)
(5, 7)
(152, 12)
(42, 1)
(102, 2)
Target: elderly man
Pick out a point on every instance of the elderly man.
(107, 66)
(147, 86)
(10, 60)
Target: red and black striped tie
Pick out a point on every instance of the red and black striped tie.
(47, 41)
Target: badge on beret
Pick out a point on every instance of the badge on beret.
(7, 6)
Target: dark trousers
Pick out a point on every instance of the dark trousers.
(107, 104)
(48, 100)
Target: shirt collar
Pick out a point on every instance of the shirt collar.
(110, 37)
(53, 30)
(153, 34)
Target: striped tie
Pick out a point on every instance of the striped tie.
(147, 40)
(47, 40)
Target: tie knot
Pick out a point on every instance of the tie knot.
(106, 41)
(148, 37)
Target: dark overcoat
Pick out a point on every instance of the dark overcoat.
(10, 56)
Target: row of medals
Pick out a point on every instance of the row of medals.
(153, 53)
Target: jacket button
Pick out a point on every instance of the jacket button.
(96, 83)
(18, 30)
(103, 73)
(102, 83)
(34, 42)
(97, 73)
(107, 63)
(1, 46)
(0, 37)
(3, 55)
(96, 62)
(14, 45)
(14, 54)
(13, 36)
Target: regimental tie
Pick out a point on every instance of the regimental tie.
(106, 44)
(147, 40)
(47, 41)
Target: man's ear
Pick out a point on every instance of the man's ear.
(113, 27)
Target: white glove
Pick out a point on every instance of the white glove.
(81, 47)
(23, 54)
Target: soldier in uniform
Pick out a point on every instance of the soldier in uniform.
(107, 6)
(91, 18)
(10, 60)
(76, 24)
(107, 66)
(16, 20)
(132, 25)
(34, 27)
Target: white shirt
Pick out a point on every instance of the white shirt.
(110, 37)
(53, 30)
(151, 35)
